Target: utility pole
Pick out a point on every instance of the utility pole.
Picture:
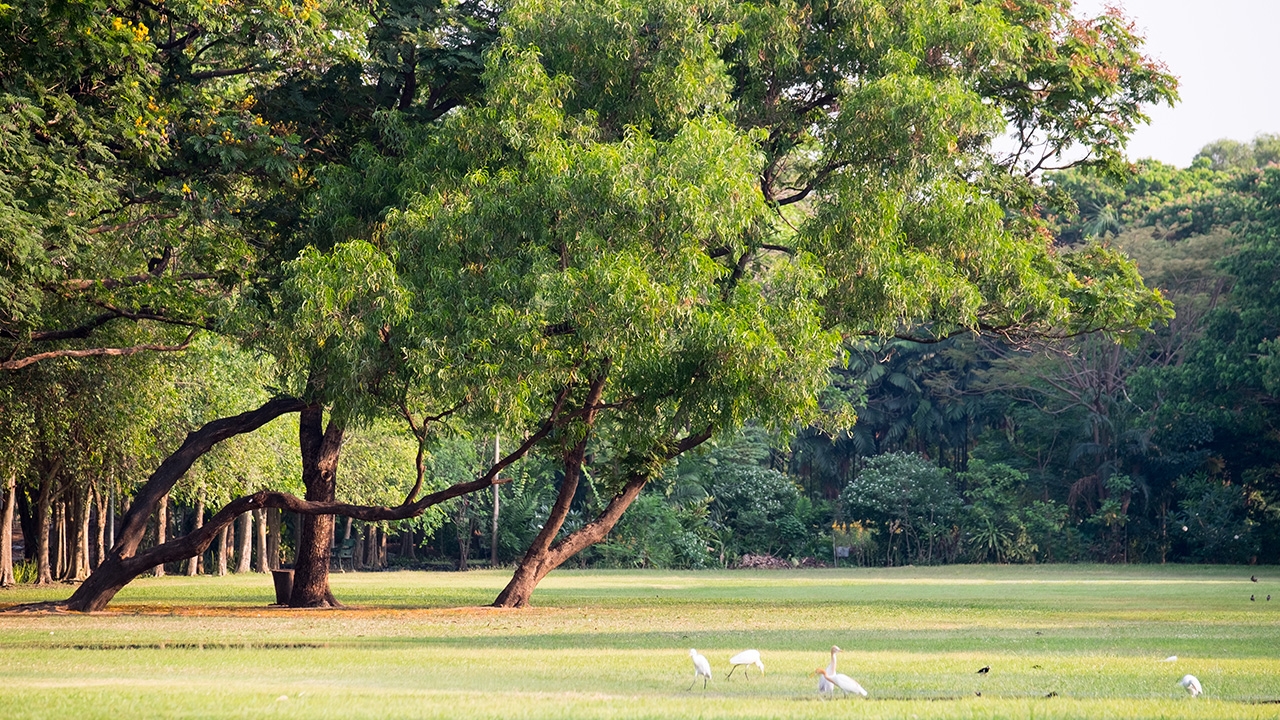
(493, 541)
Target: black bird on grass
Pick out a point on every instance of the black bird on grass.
(984, 669)
(1253, 578)
(1251, 598)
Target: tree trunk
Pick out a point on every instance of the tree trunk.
(102, 585)
(222, 551)
(382, 549)
(80, 558)
(320, 452)
(273, 538)
(101, 506)
(357, 552)
(6, 531)
(407, 543)
(543, 556)
(194, 562)
(260, 538)
(162, 525)
(497, 497)
(44, 521)
(462, 524)
(535, 564)
(244, 534)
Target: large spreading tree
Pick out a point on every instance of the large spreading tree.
(658, 220)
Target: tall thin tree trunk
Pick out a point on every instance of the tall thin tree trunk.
(195, 561)
(462, 523)
(244, 534)
(101, 505)
(162, 525)
(382, 549)
(371, 547)
(497, 497)
(6, 530)
(111, 519)
(273, 538)
(80, 569)
(407, 542)
(358, 552)
(320, 450)
(260, 537)
(222, 551)
(59, 541)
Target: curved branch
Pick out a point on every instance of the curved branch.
(93, 352)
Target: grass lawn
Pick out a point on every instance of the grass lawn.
(603, 644)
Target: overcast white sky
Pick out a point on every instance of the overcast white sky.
(1226, 54)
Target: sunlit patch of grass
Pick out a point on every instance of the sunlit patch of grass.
(615, 644)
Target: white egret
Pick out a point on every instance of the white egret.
(746, 657)
(701, 668)
(824, 685)
(842, 681)
(1191, 684)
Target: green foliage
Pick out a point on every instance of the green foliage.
(913, 503)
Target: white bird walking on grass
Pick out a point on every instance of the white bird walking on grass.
(842, 681)
(701, 668)
(824, 685)
(748, 658)
(1191, 684)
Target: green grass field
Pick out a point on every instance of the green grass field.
(615, 645)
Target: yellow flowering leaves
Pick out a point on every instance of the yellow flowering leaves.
(138, 31)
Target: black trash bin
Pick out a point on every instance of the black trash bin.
(284, 585)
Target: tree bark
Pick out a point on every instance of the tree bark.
(194, 562)
(543, 556)
(407, 543)
(100, 541)
(80, 536)
(44, 523)
(221, 550)
(497, 498)
(273, 538)
(244, 535)
(320, 448)
(6, 531)
(260, 540)
(162, 522)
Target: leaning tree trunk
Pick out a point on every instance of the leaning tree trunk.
(544, 556)
(6, 531)
(320, 449)
(244, 538)
(102, 584)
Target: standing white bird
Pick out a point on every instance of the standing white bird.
(746, 657)
(701, 668)
(842, 681)
(824, 685)
(1191, 684)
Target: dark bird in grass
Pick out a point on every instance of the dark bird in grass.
(1051, 694)
(1251, 598)
(984, 669)
(1253, 578)
(1035, 667)
(978, 693)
